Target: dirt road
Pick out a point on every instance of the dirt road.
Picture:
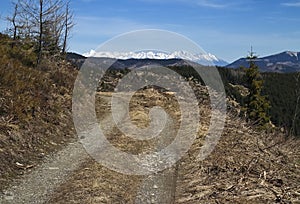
(43, 184)
(247, 166)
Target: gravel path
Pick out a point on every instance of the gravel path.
(38, 186)
(35, 187)
(160, 187)
(40, 183)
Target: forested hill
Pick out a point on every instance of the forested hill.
(283, 62)
(283, 91)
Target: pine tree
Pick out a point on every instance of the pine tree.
(257, 105)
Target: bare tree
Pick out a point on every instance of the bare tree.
(53, 31)
(49, 22)
(15, 23)
(48, 19)
(68, 24)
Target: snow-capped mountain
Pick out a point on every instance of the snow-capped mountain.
(204, 59)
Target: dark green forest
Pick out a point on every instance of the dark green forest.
(282, 90)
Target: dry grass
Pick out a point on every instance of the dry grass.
(35, 114)
(247, 166)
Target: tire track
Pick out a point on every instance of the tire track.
(161, 186)
(38, 185)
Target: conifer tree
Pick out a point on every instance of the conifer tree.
(257, 105)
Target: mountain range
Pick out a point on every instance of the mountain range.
(200, 58)
(283, 62)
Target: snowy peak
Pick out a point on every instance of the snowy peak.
(204, 59)
(292, 54)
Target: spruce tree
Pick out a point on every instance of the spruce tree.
(257, 105)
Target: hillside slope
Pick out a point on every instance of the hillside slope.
(247, 166)
(35, 110)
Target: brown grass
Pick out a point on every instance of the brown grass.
(35, 113)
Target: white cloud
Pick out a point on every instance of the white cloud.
(291, 4)
(88, 1)
(211, 4)
(202, 3)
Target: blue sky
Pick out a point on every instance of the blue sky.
(226, 29)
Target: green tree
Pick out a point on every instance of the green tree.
(257, 105)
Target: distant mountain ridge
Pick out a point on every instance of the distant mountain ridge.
(119, 64)
(200, 58)
(283, 62)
